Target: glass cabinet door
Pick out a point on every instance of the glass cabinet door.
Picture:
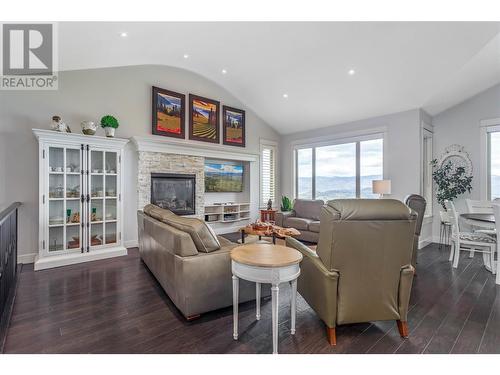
(64, 199)
(103, 187)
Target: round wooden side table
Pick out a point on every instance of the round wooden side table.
(265, 264)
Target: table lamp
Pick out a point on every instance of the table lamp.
(381, 187)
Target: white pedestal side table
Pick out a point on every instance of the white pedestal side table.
(265, 264)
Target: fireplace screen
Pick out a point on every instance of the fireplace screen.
(175, 192)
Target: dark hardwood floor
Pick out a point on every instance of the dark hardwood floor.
(116, 306)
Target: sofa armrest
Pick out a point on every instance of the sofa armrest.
(281, 217)
(405, 282)
(316, 284)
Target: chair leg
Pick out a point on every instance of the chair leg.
(403, 328)
(452, 250)
(457, 254)
(471, 254)
(331, 335)
(440, 236)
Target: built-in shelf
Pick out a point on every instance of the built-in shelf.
(227, 213)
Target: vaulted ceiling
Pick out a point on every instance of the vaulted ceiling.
(299, 76)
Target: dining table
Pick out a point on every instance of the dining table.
(483, 221)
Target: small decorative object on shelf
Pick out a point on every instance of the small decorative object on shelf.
(59, 126)
(270, 204)
(286, 204)
(109, 123)
(89, 127)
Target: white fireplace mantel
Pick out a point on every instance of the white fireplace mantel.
(193, 148)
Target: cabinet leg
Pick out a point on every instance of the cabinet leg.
(275, 293)
(257, 300)
(293, 306)
(235, 306)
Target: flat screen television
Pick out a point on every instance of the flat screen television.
(223, 178)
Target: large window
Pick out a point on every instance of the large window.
(268, 152)
(341, 170)
(494, 164)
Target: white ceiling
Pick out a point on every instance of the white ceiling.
(399, 65)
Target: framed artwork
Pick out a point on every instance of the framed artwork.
(233, 125)
(169, 113)
(203, 119)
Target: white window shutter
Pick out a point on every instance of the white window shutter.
(267, 174)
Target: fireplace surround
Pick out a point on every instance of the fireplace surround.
(174, 191)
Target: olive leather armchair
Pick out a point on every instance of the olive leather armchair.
(361, 270)
(417, 203)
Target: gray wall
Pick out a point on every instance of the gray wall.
(87, 95)
(401, 149)
(460, 125)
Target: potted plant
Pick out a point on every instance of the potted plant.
(286, 204)
(109, 123)
(451, 182)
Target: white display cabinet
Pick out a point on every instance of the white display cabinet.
(80, 198)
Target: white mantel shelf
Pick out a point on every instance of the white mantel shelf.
(192, 148)
(60, 137)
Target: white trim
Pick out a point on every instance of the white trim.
(490, 122)
(339, 138)
(336, 139)
(52, 136)
(157, 143)
(26, 258)
(424, 242)
(67, 259)
(131, 243)
(486, 126)
(274, 146)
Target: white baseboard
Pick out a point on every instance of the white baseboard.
(26, 258)
(131, 243)
(424, 242)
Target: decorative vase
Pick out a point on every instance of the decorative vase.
(59, 126)
(110, 132)
(88, 127)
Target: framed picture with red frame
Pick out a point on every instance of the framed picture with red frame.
(233, 125)
(169, 113)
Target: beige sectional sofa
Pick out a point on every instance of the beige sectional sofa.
(304, 217)
(191, 263)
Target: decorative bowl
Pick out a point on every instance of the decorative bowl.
(88, 127)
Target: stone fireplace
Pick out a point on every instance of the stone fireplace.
(158, 163)
(174, 191)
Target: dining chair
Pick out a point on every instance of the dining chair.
(475, 242)
(495, 264)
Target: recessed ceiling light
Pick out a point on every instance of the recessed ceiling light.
(123, 34)
(224, 71)
(351, 72)
(186, 56)
(285, 96)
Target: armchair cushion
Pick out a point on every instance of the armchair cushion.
(314, 226)
(308, 208)
(282, 216)
(299, 223)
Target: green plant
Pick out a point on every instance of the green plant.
(286, 204)
(451, 182)
(109, 122)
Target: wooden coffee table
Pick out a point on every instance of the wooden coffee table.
(269, 264)
(273, 231)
